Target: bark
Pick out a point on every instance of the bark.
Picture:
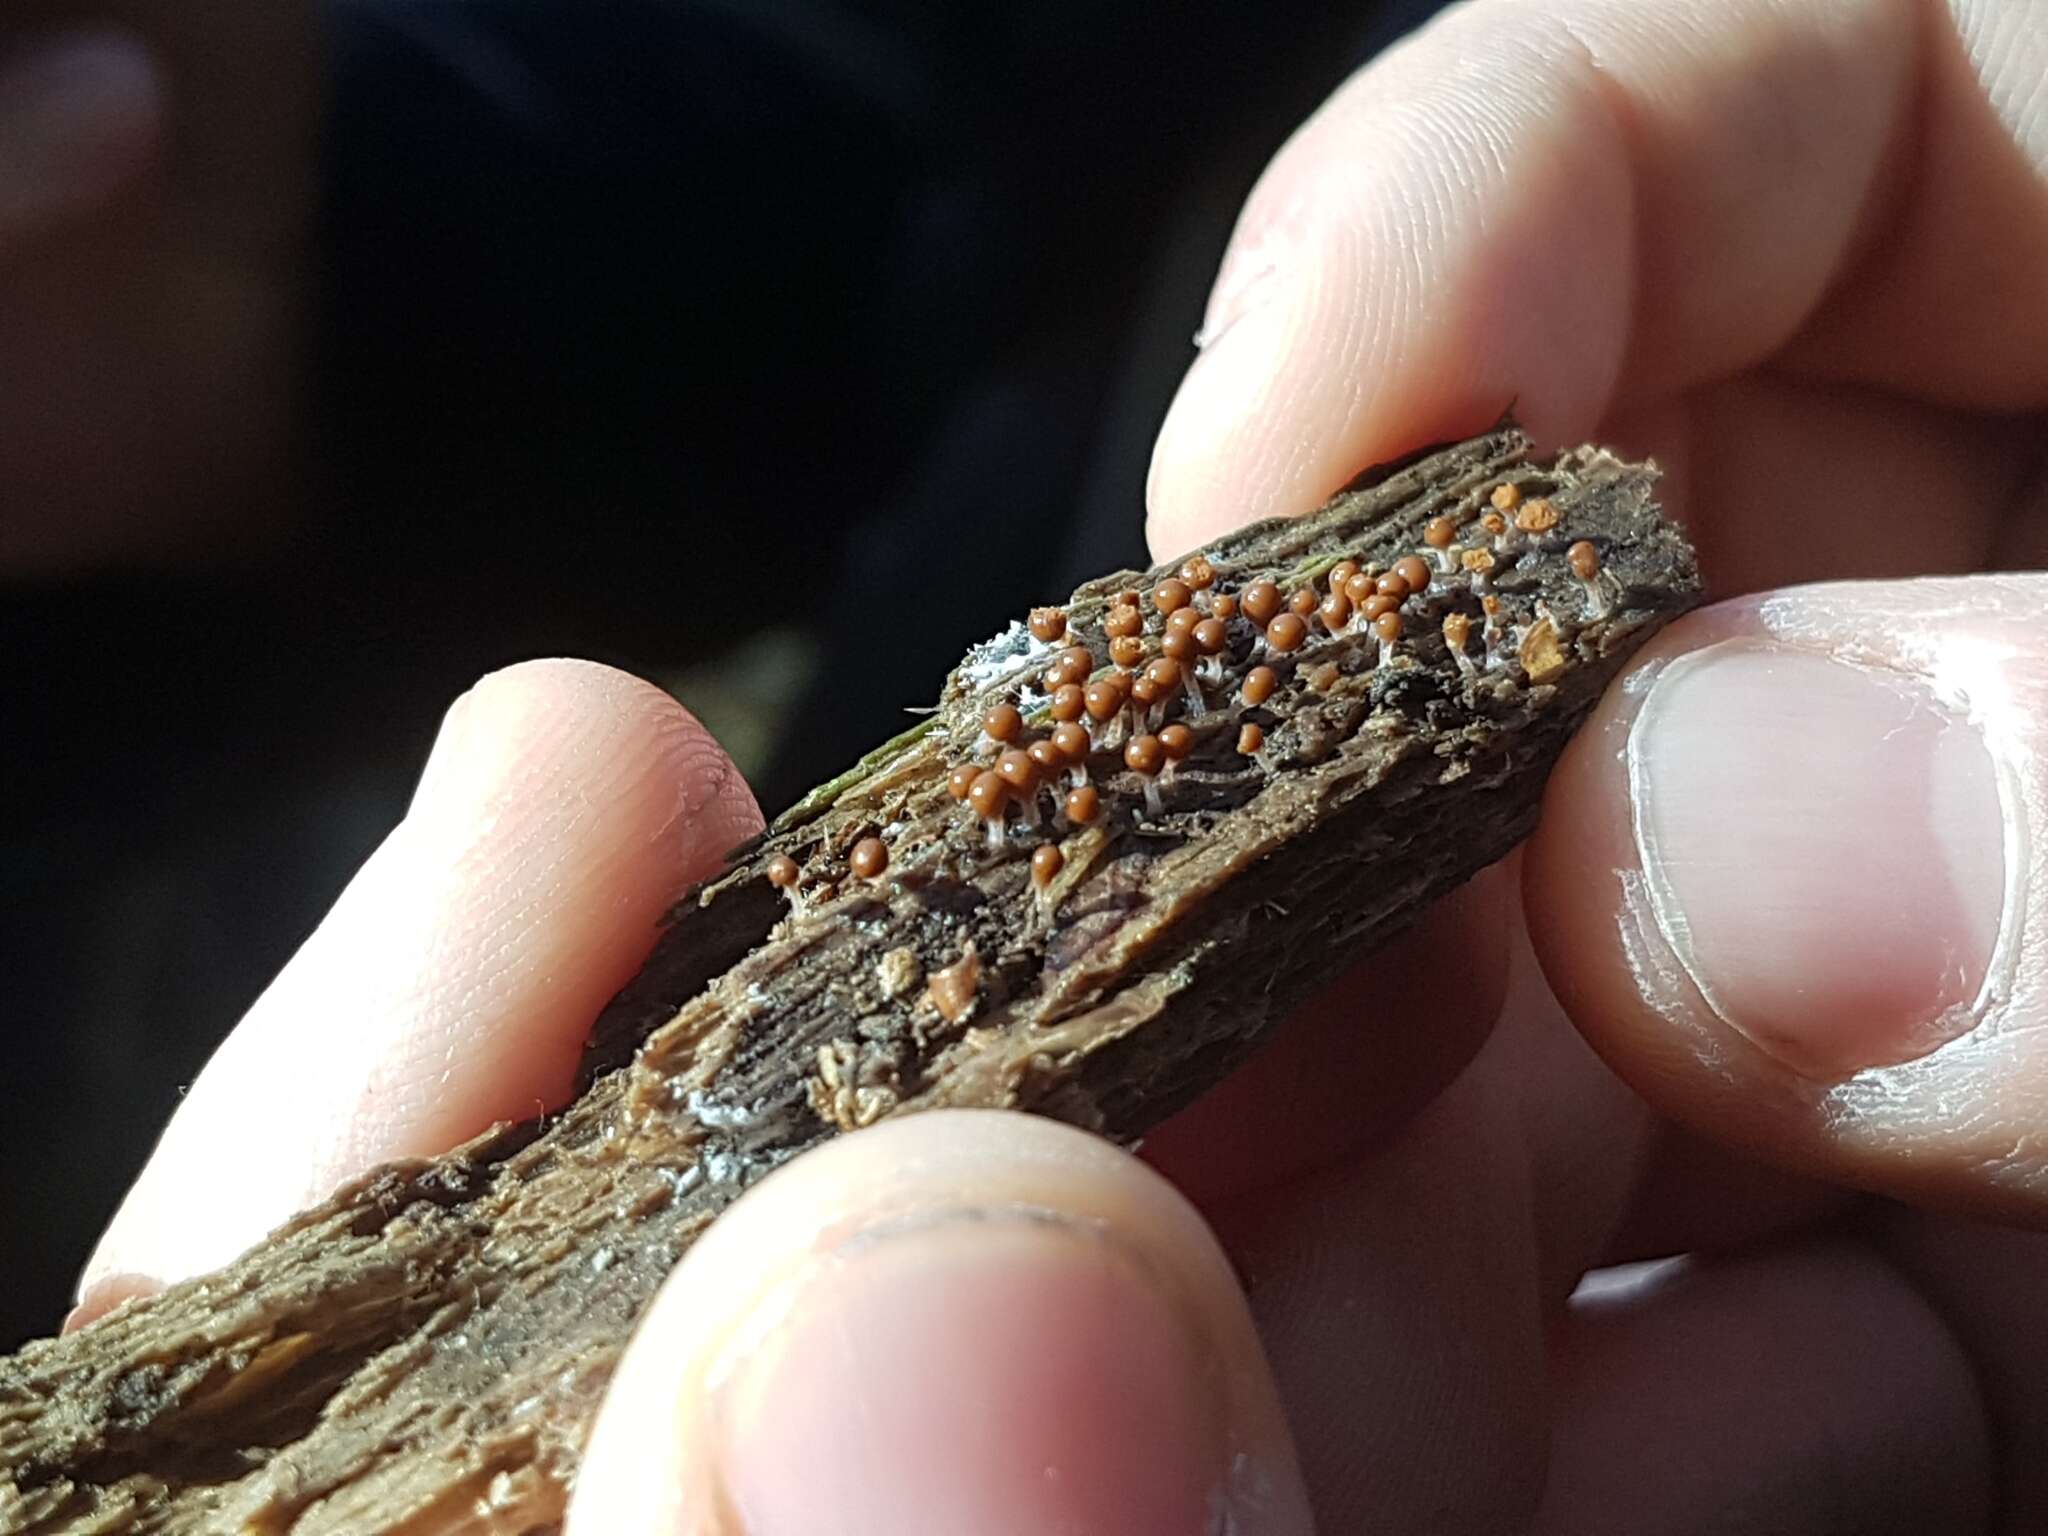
(424, 1352)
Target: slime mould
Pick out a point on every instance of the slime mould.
(1136, 831)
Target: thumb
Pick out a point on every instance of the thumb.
(1790, 884)
(960, 1322)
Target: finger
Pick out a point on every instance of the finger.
(2023, 542)
(1788, 481)
(1458, 228)
(1404, 1293)
(1789, 884)
(81, 115)
(1788, 1393)
(1987, 1283)
(1607, 1181)
(962, 1322)
(1945, 280)
(564, 807)
(1573, 207)
(1693, 1195)
(1365, 1055)
(1400, 1303)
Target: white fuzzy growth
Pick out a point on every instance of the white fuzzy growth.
(1001, 657)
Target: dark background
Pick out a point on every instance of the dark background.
(633, 320)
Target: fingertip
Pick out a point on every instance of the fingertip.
(949, 1322)
(565, 806)
(581, 721)
(1780, 884)
(563, 809)
(1810, 1368)
(1568, 207)
(1414, 280)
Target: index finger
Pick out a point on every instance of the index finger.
(564, 808)
(1583, 206)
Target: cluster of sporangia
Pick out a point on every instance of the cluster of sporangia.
(1180, 656)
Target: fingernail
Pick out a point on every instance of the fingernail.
(1002, 1375)
(1824, 848)
(80, 113)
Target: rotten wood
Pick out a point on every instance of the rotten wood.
(424, 1352)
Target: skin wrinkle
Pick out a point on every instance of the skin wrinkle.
(1610, 95)
(1613, 101)
(1660, 982)
(1360, 342)
(1640, 937)
(1325, 324)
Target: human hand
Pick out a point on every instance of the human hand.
(564, 807)
(1410, 1247)
(1788, 882)
(155, 185)
(1800, 254)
